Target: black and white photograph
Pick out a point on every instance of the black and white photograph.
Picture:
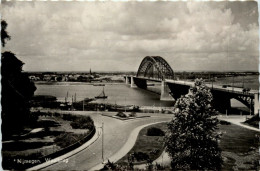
(130, 85)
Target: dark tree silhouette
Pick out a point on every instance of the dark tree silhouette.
(4, 34)
(17, 89)
(192, 139)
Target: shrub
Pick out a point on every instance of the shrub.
(132, 114)
(69, 117)
(66, 139)
(155, 132)
(254, 121)
(82, 123)
(224, 122)
(121, 114)
(140, 156)
(154, 152)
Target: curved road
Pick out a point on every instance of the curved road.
(116, 133)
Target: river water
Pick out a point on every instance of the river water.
(123, 94)
(117, 93)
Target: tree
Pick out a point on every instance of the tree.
(17, 90)
(192, 139)
(4, 34)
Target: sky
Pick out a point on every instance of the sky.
(116, 36)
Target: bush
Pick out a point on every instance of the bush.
(121, 114)
(155, 132)
(140, 156)
(224, 122)
(254, 121)
(66, 139)
(132, 114)
(69, 117)
(82, 123)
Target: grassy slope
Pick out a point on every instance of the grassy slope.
(34, 146)
(239, 146)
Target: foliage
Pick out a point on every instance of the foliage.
(254, 121)
(121, 114)
(17, 90)
(69, 117)
(192, 139)
(155, 132)
(83, 123)
(140, 156)
(132, 114)
(149, 166)
(4, 34)
(224, 122)
(66, 139)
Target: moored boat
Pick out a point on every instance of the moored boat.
(102, 95)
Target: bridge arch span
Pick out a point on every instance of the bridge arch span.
(155, 67)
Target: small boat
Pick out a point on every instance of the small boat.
(102, 95)
(88, 100)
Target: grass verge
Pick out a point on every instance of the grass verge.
(147, 145)
(239, 146)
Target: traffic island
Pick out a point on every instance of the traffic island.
(124, 115)
(149, 145)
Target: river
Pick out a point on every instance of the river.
(123, 94)
(117, 93)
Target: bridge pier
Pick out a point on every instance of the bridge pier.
(256, 103)
(165, 92)
(126, 80)
(132, 82)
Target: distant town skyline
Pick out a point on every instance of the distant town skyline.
(116, 36)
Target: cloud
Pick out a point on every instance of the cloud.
(117, 35)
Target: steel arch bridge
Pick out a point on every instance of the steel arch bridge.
(155, 67)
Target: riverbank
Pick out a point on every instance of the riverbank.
(76, 83)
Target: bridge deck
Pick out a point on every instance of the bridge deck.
(236, 90)
(150, 79)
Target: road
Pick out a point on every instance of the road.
(214, 86)
(116, 133)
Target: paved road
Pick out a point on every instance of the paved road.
(217, 87)
(238, 120)
(116, 133)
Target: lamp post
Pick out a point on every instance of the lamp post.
(250, 106)
(83, 105)
(211, 83)
(243, 81)
(233, 83)
(162, 159)
(103, 142)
